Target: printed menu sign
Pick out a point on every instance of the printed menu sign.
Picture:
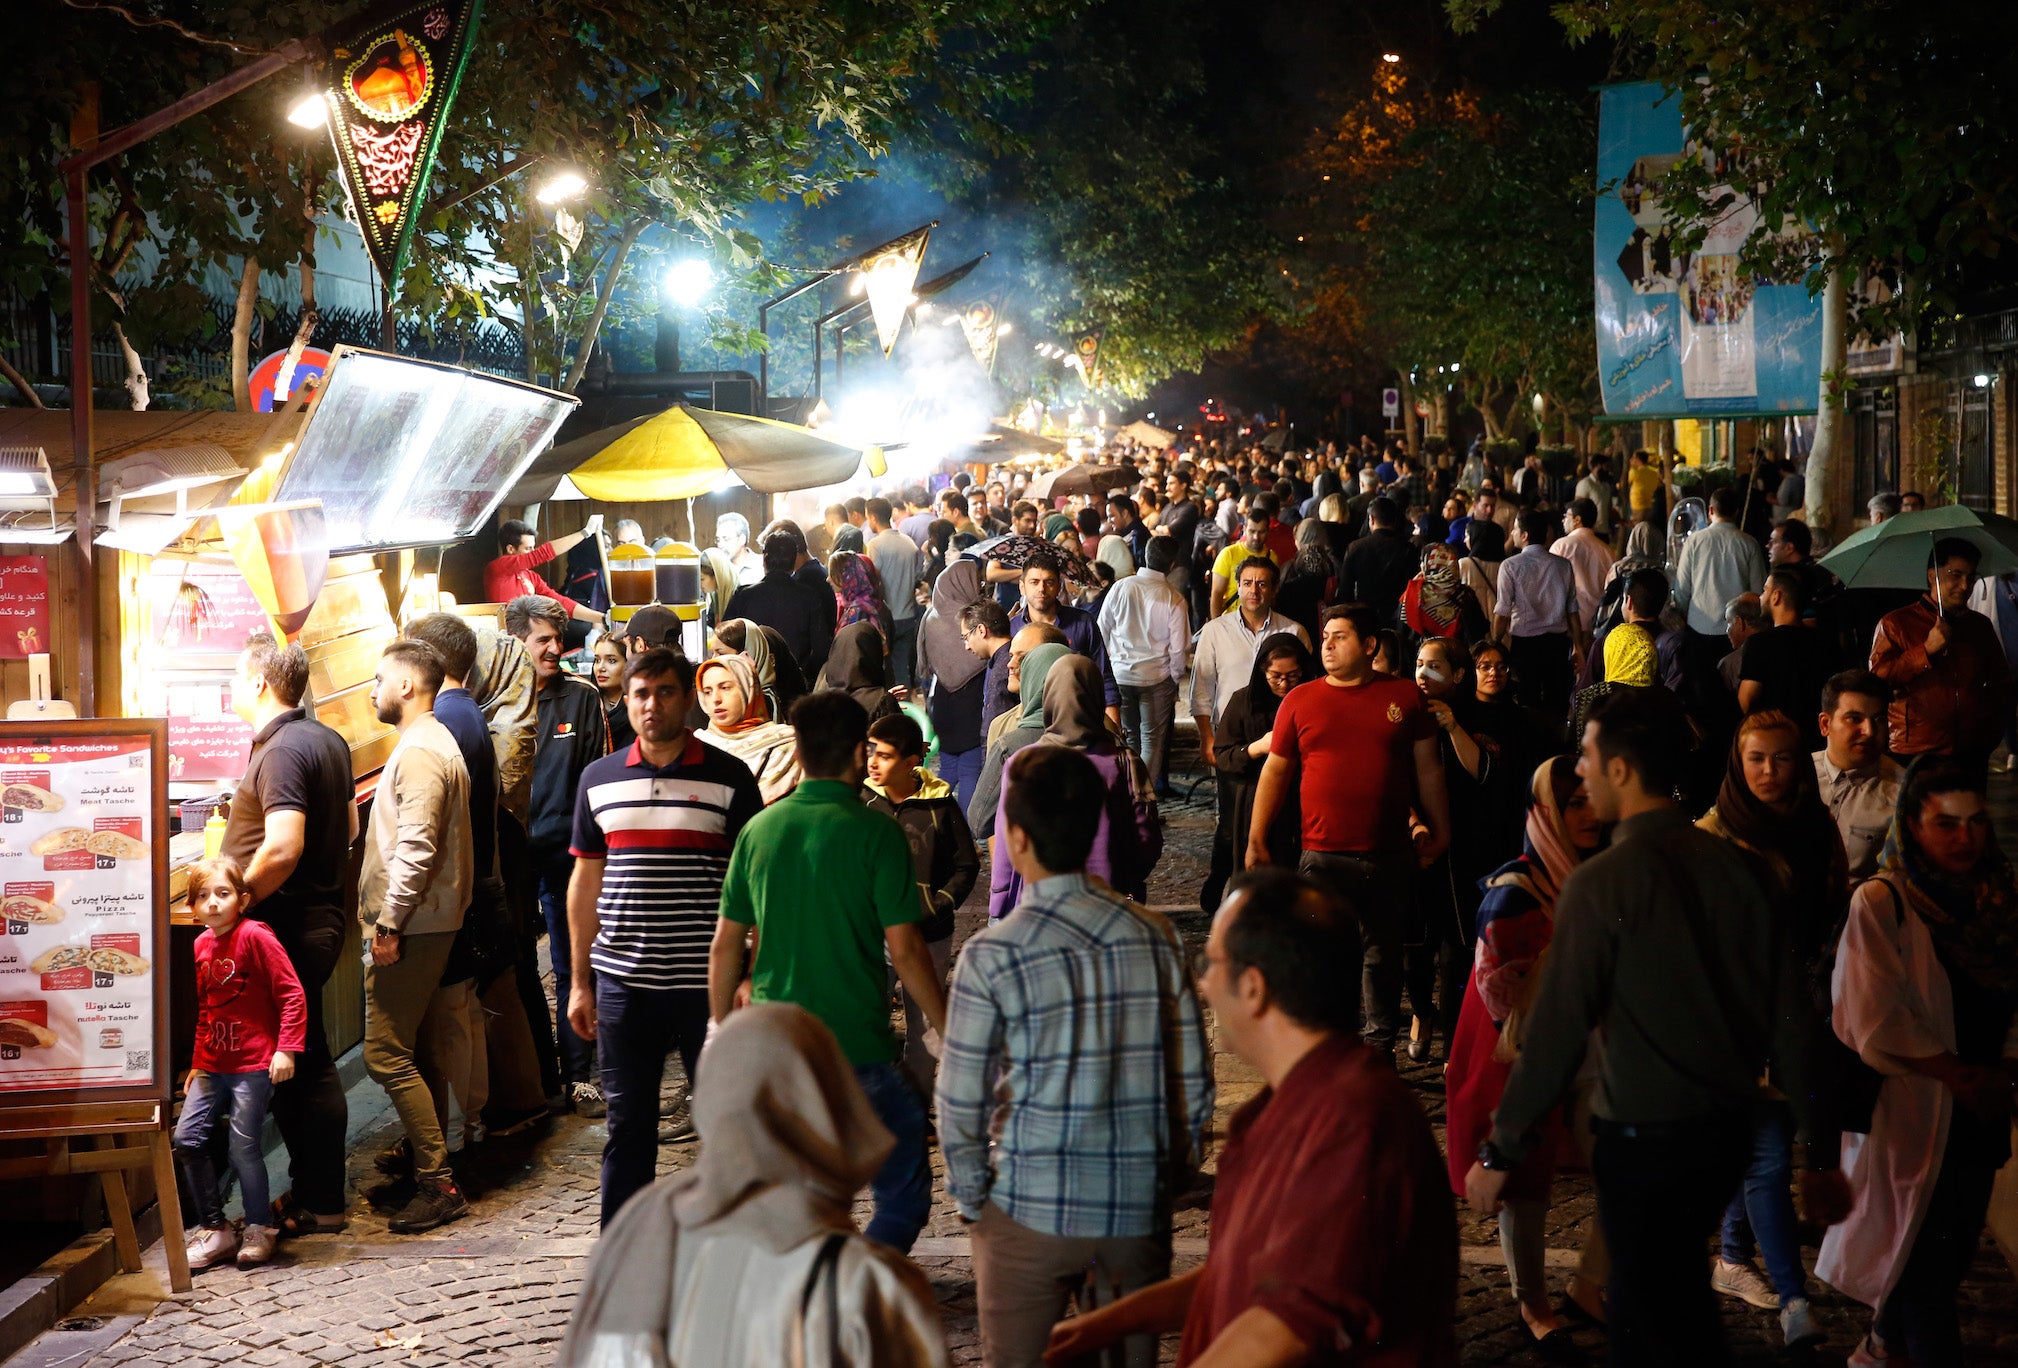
(24, 606)
(77, 977)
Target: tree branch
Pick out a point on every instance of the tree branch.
(609, 288)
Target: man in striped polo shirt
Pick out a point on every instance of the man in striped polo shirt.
(654, 826)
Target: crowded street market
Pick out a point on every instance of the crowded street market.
(1037, 833)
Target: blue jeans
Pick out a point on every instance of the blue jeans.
(1764, 1205)
(239, 1101)
(578, 1056)
(636, 1028)
(963, 772)
(903, 1186)
(1146, 714)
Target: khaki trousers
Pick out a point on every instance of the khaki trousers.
(396, 998)
(1023, 1279)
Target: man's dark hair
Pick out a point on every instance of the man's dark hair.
(780, 551)
(1121, 502)
(1535, 526)
(1791, 583)
(1363, 620)
(1087, 520)
(953, 501)
(1647, 592)
(1854, 682)
(522, 612)
(1933, 778)
(1023, 506)
(1383, 512)
(1262, 563)
(1485, 539)
(284, 668)
(1043, 560)
(1727, 503)
(657, 663)
(900, 732)
(829, 725)
(917, 496)
(1266, 505)
(419, 657)
(453, 639)
(1958, 548)
(879, 509)
(1054, 797)
(1162, 554)
(978, 614)
(1795, 534)
(1302, 940)
(1647, 729)
(510, 533)
(857, 506)
(1585, 511)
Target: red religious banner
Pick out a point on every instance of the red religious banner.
(24, 606)
(394, 72)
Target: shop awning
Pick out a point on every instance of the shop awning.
(683, 453)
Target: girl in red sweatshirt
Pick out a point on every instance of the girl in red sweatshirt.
(251, 1021)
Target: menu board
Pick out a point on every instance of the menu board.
(82, 904)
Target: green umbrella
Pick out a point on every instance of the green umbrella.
(1896, 553)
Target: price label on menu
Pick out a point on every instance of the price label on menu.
(78, 958)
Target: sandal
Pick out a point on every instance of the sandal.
(292, 1220)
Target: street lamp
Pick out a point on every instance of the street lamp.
(1390, 57)
(687, 282)
(310, 110)
(560, 187)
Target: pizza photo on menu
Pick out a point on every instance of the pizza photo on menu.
(103, 959)
(61, 841)
(20, 907)
(30, 798)
(116, 845)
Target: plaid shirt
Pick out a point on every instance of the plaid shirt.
(1074, 1037)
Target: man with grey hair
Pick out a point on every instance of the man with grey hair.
(1883, 506)
(1744, 618)
(572, 731)
(630, 533)
(732, 539)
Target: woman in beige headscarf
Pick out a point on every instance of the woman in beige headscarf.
(740, 722)
(749, 1259)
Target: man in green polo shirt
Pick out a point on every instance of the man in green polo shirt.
(824, 884)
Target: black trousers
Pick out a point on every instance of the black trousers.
(1543, 673)
(1377, 889)
(309, 1108)
(1919, 1317)
(1660, 1195)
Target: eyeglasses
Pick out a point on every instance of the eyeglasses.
(1279, 677)
(1492, 666)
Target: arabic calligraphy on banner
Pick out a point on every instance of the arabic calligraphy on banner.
(24, 606)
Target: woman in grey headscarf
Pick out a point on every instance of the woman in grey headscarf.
(954, 678)
(749, 1259)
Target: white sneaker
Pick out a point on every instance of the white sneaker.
(1797, 1323)
(212, 1245)
(1744, 1282)
(257, 1246)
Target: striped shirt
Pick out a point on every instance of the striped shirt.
(665, 835)
(1073, 1037)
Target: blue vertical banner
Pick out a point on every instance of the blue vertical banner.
(1687, 334)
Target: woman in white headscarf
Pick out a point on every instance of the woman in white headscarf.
(750, 1259)
(740, 722)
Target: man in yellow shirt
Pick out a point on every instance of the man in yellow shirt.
(1643, 478)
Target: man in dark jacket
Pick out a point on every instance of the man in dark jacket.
(944, 859)
(572, 732)
(1378, 567)
(801, 611)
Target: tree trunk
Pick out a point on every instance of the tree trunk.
(1411, 423)
(1829, 459)
(587, 346)
(241, 336)
(136, 376)
(311, 317)
(20, 382)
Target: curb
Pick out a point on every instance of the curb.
(38, 1300)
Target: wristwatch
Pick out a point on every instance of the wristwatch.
(1491, 1160)
(382, 932)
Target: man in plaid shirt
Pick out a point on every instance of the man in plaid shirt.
(1079, 1008)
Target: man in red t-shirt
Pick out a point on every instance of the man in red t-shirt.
(1361, 749)
(511, 575)
(1334, 1238)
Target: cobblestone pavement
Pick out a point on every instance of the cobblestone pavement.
(497, 1287)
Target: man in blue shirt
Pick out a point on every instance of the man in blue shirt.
(1043, 582)
(1081, 1007)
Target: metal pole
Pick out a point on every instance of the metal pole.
(819, 331)
(86, 489)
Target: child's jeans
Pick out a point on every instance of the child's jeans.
(239, 1101)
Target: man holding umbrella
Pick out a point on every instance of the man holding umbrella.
(1944, 663)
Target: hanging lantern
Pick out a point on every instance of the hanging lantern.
(283, 552)
(887, 276)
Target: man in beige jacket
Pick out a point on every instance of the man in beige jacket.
(416, 881)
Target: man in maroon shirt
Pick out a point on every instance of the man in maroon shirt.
(1334, 1238)
(511, 574)
(1361, 750)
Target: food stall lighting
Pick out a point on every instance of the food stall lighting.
(311, 110)
(560, 187)
(1003, 329)
(1982, 380)
(924, 310)
(687, 282)
(1390, 57)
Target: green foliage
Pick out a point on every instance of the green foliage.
(1884, 126)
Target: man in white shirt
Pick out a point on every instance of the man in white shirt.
(895, 557)
(1717, 565)
(1590, 559)
(1599, 489)
(1859, 782)
(1147, 628)
(1220, 669)
(1537, 614)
